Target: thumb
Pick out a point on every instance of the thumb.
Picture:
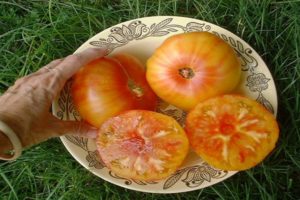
(77, 128)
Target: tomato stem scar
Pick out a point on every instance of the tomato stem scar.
(186, 72)
(137, 90)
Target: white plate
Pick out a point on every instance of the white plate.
(140, 37)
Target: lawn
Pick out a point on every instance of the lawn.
(32, 33)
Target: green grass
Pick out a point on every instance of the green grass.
(32, 33)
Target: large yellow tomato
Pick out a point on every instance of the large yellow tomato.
(191, 67)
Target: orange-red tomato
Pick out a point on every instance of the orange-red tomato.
(142, 145)
(231, 132)
(191, 67)
(107, 86)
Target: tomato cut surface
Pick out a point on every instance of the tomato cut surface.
(231, 132)
(142, 145)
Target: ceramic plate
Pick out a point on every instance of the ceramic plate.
(140, 37)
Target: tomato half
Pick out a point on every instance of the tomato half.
(142, 145)
(107, 86)
(231, 132)
(191, 67)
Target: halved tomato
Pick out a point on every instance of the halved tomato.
(142, 145)
(231, 132)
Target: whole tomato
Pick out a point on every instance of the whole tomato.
(107, 86)
(191, 67)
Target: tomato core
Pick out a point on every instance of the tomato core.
(186, 73)
(227, 129)
(137, 144)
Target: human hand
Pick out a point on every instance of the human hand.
(25, 105)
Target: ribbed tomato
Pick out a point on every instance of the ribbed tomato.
(191, 67)
(107, 86)
(142, 145)
(231, 132)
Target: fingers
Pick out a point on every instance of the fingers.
(59, 71)
(73, 63)
(29, 77)
(49, 66)
(77, 128)
(67, 67)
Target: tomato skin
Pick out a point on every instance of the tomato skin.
(191, 67)
(107, 86)
(231, 132)
(142, 145)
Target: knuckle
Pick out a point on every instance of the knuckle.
(21, 81)
(53, 62)
(56, 60)
(75, 58)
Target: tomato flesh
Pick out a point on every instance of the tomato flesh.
(142, 145)
(231, 132)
